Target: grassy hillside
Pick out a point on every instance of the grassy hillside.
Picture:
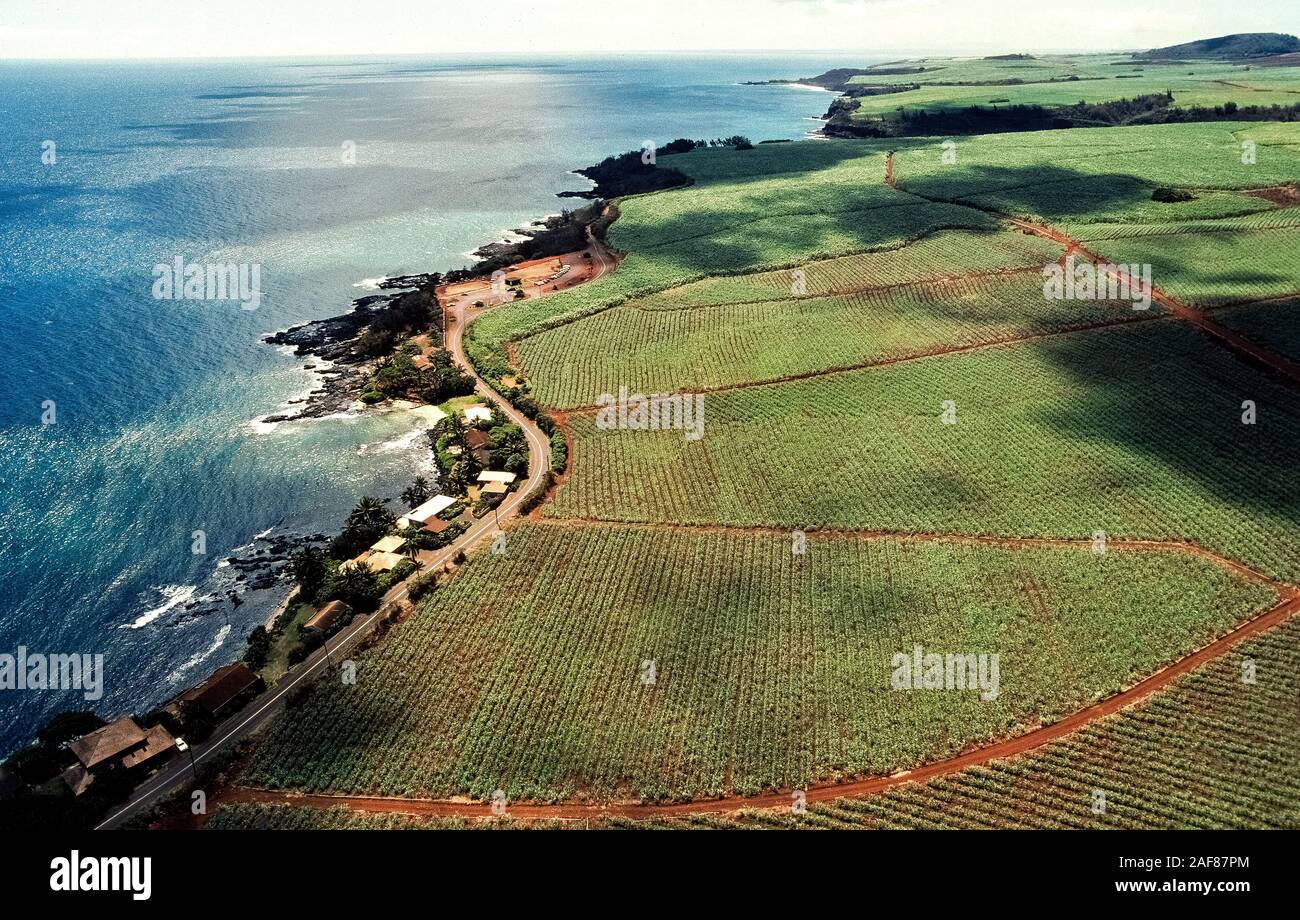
(1224, 80)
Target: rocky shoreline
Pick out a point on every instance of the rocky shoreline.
(335, 340)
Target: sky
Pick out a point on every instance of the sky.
(248, 28)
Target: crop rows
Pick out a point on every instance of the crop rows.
(1105, 175)
(525, 673)
(1136, 431)
(943, 255)
(1213, 269)
(1270, 219)
(660, 351)
(1211, 751)
(1276, 325)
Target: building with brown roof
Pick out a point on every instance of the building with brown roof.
(216, 694)
(107, 743)
(328, 615)
(479, 444)
(122, 743)
(158, 744)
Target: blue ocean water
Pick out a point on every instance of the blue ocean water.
(155, 403)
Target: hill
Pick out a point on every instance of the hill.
(1242, 44)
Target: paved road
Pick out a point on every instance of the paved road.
(243, 723)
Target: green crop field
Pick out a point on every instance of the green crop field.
(943, 255)
(1213, 269)
(1211, 751)
(662, 350)
(772, 669)
(1136, 431)
(782, 206)
(1276, 325)
(825, 413)
(1054, 80)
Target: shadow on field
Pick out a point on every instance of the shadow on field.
(1163, 393)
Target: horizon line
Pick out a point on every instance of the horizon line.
(912, 53)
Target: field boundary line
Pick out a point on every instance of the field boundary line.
(1274, 616)
(940, 352)
(1235, 341)
(815, 532)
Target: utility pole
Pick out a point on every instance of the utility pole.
(194, 767)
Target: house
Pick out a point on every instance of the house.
(384, 562)
(328, 615)
(427, 512)
(479, 445)
(158, 743)
(422, 362)
(389, 544)
(355, 562)
(436, 525)
(496, 476)
(122, 743)
(475, 414)
(78, 778)
(219, 694)
(495, 488)
(106, 744)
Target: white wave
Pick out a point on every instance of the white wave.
(199, 657)
(259, 426)
(295, 402)
(371, 284)
(399, 444)
(173, 596)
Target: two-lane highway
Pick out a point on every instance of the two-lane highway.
(273, 702)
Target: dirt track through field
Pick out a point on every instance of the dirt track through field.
(1287, 605)
(1199, 318)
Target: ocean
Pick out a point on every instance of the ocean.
(133, 458)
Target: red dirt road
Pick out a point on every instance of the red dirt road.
(1287, 605)
(1199, 318)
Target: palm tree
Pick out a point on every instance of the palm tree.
(417, 493)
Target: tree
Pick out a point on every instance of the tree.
(368, 521)
(308, 567)
(417, 493)
(67, 725)
(356, 585)
(259, 647)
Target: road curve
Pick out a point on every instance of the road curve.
(246, 721)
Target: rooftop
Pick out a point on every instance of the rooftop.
(496, 476)
(156, 741)
(327, 615)
(224, 685)
(108, 742)
(389, 544)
